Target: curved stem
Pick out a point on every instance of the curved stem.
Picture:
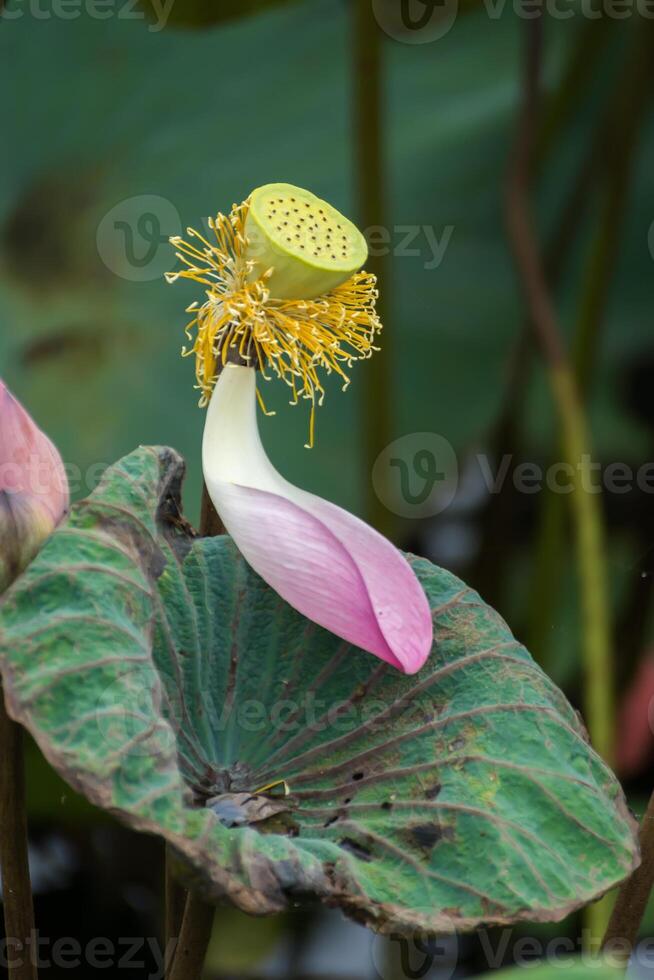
(591, 562)
(614, 144)
(14, 866)
(590, 45)
(586, 514)
(631, 903)
(488, 574)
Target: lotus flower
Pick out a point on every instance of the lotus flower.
(283, 293)
(33, 488)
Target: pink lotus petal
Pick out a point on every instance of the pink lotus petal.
(329, 565)
(332, 568)
(30, 466)
(33, 488)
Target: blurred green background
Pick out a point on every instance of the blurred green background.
(119, 131)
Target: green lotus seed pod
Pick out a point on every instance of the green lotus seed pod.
(310, 246)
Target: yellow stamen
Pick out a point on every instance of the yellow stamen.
(263, 406)
(293, 337)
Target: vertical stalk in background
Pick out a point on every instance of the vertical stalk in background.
(367, 81)
(614, 146)
(188, 962)
(592, 38)
(489, 573)
(619, 150)
(14, 867)
(175, 900)
(586, 512)
(189, 919)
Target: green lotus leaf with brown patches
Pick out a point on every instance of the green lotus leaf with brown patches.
(169, 684)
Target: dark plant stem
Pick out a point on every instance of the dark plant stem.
(377, 379)
(14, 866)
(620, 146)
(631, 903)
(494, 555)
(188, 918)
(614, 145)
(191, 952)
(591, 41)
(175, 900)
(612, 142)
(586, 514)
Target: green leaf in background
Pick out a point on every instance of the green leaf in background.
(169, 684)
(576, 971)
(79, 318)
(199, 13)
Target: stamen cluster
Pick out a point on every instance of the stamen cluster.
(241, 320)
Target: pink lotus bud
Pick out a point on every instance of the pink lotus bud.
(33, 488)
